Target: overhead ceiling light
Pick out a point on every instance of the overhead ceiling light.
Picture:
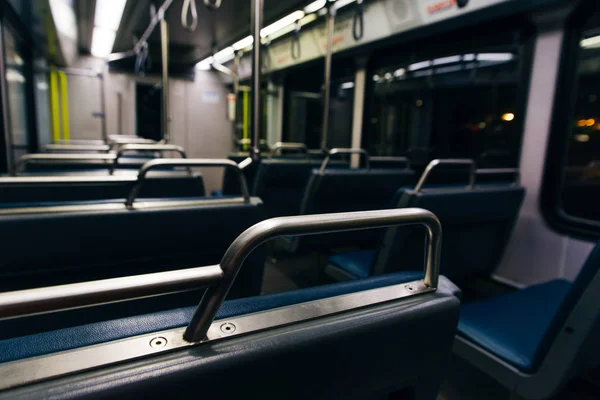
(205, 64)
(282, 23)
(495, 57)
(227, 54)
(102, 42)
(242, 44)
(591, 42)
(399, 72)
(107, 19)
(347, 85)
(342, 3)
(315, 6)
(468, 57)
(64, 18)
(446, 60)
(108, 14)
(376, 78)
(419, 65)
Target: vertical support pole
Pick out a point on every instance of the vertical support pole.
(64, 105)
(245, 118)
(257, 19)
(164, 41)
(119, 113)
(6, 153)
(103, 106)
(327, 83)
(358, 109)
(54, 108)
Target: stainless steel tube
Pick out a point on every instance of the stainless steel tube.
(333, 152)
(327, 82)
(449, 161)
(38, 301)
(308, 225)
(146, 147)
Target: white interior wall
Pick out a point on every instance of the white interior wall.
(198, 119)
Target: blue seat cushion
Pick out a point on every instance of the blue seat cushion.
(101, 332)
(512, 326)
(356, 263)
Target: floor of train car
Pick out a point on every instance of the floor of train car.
(463, 381)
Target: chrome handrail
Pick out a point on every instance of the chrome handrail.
(25, 159)
(448, 161)
(77, 147)
(23, 303)
(118, 141)
(259, 233)
(188, 162)
(300, 147)
(335, 151)
(146, 147)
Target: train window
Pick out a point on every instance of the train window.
(16, 80)
(304, 105)
(451, 98)
(571, 191)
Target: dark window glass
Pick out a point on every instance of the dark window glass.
(454, 96)
(580, 196)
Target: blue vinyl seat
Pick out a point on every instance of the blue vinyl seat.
(477, 225)
(316, 358)
(535, 339)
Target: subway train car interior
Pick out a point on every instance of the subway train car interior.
(301, 199)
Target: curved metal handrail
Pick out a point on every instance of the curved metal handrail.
(118, 141)
(300, 147)
(498, 171)
(77, 147)
(27, 158)
(145, 147)
(256, 235)
(333, 152)
(448, 161)
(404, 160)
(188, 162)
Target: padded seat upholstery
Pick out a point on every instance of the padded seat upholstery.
(153, 186)
(356, 264)
(345, 190)
(477, 224)
(512, 326)
(101, 332)
(79, 246)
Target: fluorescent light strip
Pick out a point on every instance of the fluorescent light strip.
(205, 64)
(282, 23)
(342, 3)
(227, 54)
(102, 42)
(108, 14)
(107, 19)
(347, 85)
(315, 6)
(495, 57)
(591, 42)
(446, 60)
(419, 65)
(242, 44)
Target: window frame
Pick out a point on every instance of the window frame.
(560, 132)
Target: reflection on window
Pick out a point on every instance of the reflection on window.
(16, 80)
(581, 192)
(449, 105)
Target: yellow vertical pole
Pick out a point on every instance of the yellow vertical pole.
(246, 117)
(54, 112)
(64, 105)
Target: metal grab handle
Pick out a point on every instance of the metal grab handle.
(404, 160)
(27, 158)
(188, 162)
(333, 152)
(117, 141)
(77, 147)
(498, 171)
(301, 147)
(146, 147)
(256, 235)
(448, 161)
(22, 303)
